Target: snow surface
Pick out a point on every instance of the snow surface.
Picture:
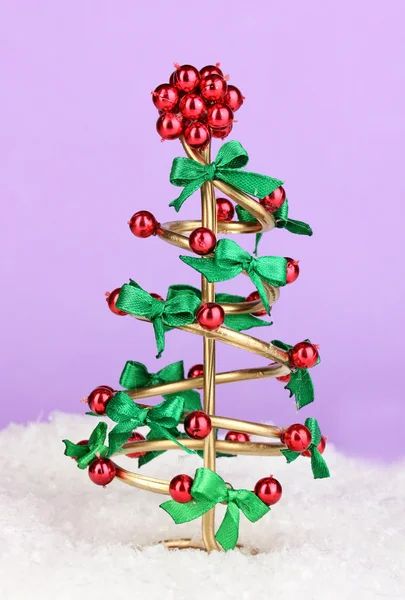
(63, 538)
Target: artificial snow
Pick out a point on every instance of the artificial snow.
(64, 538)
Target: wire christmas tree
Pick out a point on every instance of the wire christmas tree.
(194, 107)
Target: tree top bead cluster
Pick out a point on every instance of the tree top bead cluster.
(196, 104)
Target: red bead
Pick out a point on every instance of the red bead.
(320, 447)
(197, 135)
(99, 398)
(225, 209)
(284, 378)
(180, 487)
(172, 78)
(210, 70)
(81, 443)
(157, 297)
(136, 437)
(187, 78)
(296, 437)
(169, 126)
(197, 425)
(143, 224)
(196, 371)
(237, 436)
(304, 355)
(111, 298)
(192, 106)
(210, 316)
(293, 270)
(202, 241)
(165, 97)
(219, 116)
(102, 471)
(233, 98)
(221, 134)
(269, 490)
(213, 88)
(273, 201)
(251, 298)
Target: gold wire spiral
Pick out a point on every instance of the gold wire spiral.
(174, 233)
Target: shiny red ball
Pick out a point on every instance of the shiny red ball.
(111, 299)
(225, 209)
(196, 371)
(237, 436)
(157, 296)
(251, 298)
(219, 115)
(296, 437)
(284, 378)
(143, 224)
(221, 134)
(81, 443)
(197, 425)
(197, 135)
(273, 201)
(169, 126)
(192, 106)
(213, 88)
(99, 398)
(165, 97)
(304, 355)
(187, 78)
(102, 471)
(202, 241)
(320, 447)
(269, 490)
(210, 316)
(210, 70)
(136, 437)
(180, 488)
(233, 98)
(293, 270)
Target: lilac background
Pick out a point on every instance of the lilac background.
(79, 155)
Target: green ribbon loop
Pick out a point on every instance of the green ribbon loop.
(300, 384)
(163, 315)
(209, 489)
(230, 259)
(93, 449)
(135, 375)
(231, 158)
(161, 419)
(318, 465)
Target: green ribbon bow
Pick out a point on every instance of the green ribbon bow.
(161, 419)
(93, 449)
(281, 220)
(231, 157)
(230, 259)
(300, 384)
(237, 322)
(135, 375)
(318, 465)
(209, 489)
(163, 315)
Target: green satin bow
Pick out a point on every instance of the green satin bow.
(237, 322)
(161, 419)
(85, 454)
(163, 315)
(300, 384)
(209, 489)
(230, 259)
(135, 375)
(231, 157)
(318, 465)
(281, 220)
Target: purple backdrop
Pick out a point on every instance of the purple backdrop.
(79, 155)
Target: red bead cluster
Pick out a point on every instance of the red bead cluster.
(196, 104)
